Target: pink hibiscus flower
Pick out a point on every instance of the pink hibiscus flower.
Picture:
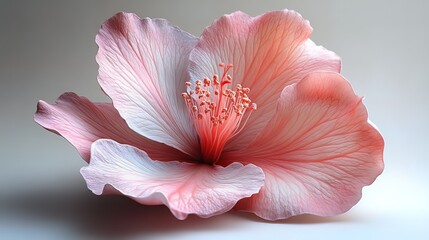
(184, 129)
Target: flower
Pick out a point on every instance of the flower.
(251, 115)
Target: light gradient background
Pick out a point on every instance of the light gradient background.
(47, 48)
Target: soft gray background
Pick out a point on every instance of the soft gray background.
(47, 48)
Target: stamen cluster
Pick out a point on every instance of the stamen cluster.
(217, 111)
(211, 99)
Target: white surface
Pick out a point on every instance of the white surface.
(47, 48)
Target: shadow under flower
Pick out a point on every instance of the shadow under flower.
(302, 219)
(79, 210)
(75, 207)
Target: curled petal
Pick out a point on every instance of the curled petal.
(185, 188)
(82, 122)
(317, 152)
(143, 69)
(268, 52)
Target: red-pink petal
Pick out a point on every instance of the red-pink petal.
(317, 152)
(143, 68)
(186, 188)
(82, 122)
(268, 52)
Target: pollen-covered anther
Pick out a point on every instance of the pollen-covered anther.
(254, 106)
(217, 110)
(216, 80)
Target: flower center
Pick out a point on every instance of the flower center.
(217, 111)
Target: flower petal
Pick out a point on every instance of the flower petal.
(186, 188)
(82, 122)
(268, 52)
(143, 69)
(317, 152)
